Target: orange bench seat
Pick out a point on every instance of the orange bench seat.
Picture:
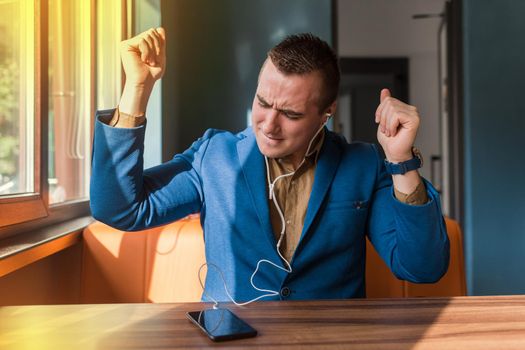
(161, 265)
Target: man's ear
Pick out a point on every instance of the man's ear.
(330, 111)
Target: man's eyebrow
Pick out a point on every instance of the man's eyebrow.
(291, 112)
(261, 99)
(283, 110)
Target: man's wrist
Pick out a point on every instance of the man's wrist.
(399, 158)
(401, 155)
(125, 120)
(134, 99)
(417, 197)
(399, 168)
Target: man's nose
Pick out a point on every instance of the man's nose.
(271, 122)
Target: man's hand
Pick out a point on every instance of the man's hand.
(144, 57)
(398, 124)
(144, 61)
(397, 130)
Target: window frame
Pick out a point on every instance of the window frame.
(18, 208)
(29, 211)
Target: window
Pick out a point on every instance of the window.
(70, 102)
(20, 181)
(16, 111)
(109, 73)
(59, 61)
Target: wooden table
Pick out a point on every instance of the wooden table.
(425, 323)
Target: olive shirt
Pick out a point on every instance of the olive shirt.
(292, 192)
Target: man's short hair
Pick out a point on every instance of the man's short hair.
(305, 53)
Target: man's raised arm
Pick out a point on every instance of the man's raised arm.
(122, 194)
(144, 61)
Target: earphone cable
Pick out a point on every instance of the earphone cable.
(288, 268)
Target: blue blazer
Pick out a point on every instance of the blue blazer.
(222, 176)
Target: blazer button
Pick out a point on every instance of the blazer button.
(285, 292)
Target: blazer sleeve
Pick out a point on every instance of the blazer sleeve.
(125, 196)
(411, 239)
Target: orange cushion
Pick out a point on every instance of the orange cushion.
(381, 283)
(113, 265)
(174, 255)
(162, 264)
(155, 265)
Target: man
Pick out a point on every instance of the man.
(286, 191)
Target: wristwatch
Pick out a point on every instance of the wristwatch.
(400, 168)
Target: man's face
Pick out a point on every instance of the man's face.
(285, 112)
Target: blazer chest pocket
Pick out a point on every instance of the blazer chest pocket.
(351, 205)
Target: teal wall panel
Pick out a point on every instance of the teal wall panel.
(494, 126)
(215, 50)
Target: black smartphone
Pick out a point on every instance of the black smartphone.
(221, 324)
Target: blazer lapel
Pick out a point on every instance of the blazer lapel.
(327, 165)
(253, 168)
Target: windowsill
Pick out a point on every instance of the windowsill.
(23, 249)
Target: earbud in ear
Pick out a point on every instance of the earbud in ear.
(328, 116)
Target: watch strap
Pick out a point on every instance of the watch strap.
(404, 167)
